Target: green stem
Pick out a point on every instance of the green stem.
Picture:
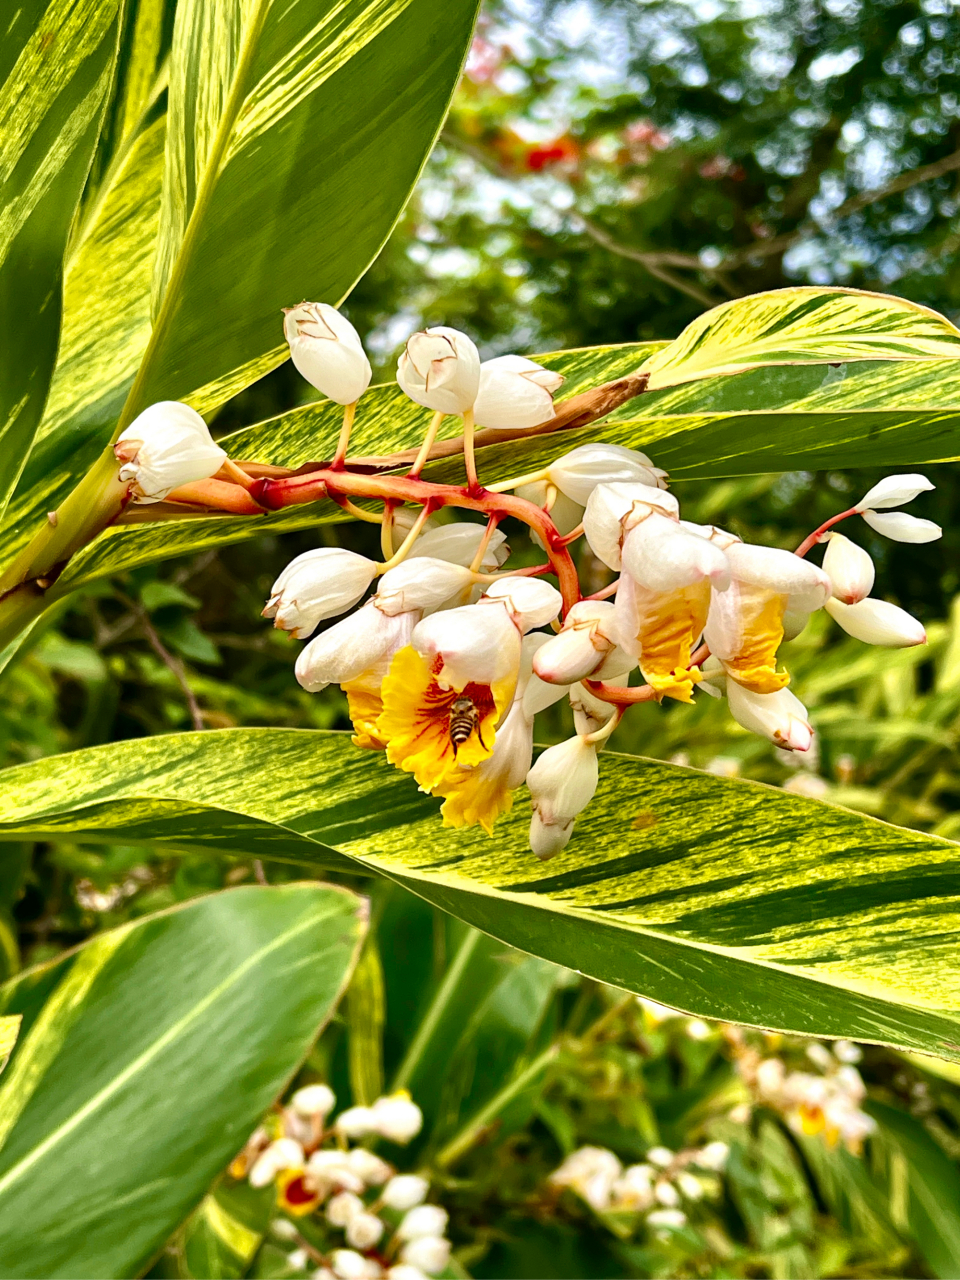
(438, 1006)
(94, 503)
(474, 1129)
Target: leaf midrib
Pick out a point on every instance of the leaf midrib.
(149, 1054)
(211, 174)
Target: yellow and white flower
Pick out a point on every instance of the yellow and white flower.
(745, 625)
(614, 509)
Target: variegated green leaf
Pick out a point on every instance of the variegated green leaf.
(296, 132)
(802, 325)
(146, 1058)
(726, 898)
(774, 419)
(106, 327)
(56, 68)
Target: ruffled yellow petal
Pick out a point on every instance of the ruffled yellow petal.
(669, 624)
(474, 796)
(365, 704)
(755, 664)
(415, 721)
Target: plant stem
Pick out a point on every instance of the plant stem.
(349, 413)
(428, 439)
(438, 1007)
(277, 494)
(474, 1129)
(484, 543)
(814, 538)
(401, 554)
(469, 456)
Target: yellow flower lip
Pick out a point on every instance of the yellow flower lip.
(415, 721)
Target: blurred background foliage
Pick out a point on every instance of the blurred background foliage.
(610, 169)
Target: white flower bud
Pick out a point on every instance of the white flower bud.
(317, 585)
(458, 543)
(367, 1166)
(690, 1185)
(342, 1208)
(613, 508)
(327, 351)
(405, 1272)
(356, 1122)
(476, 643)
(424, 1220)
(590, 713)
(669, 1219)
(405, 1191)
(313, 1100)
(779, 716)
(298, 1259)
(283, 1229)
(364, 1230)
(530, 602)
(901, 527)
(878, 622)
(164, 447)
(846, 1051)
(662, 1157)
(349, 1265)
(666, 1193)
(327, 1170)
(430, 1253)
(893, 491)
(849, 569)
(515, 393)
(285, 1153)
(713, 1156)
(420, 584)
(562, 783)
(344, 651)
(397, 1117)
(578, 472)
(585, 648)
(440, 369)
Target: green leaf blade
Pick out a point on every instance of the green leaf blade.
(724, 898)
(149, 1065)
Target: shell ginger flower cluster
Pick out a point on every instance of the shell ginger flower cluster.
(447, 653)
(366, 1220)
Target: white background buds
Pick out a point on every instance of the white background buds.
(319, 584)
(440, 369)
(326, 349)
(166, 446)
(878, 622)
(313, 1100)
(849, 569)
(579, 472)
(424, 1220)
(405, 1191)
(515, 393)
(396, 1117)
(430, 1253)
(893, 491)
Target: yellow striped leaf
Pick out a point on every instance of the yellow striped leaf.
(802, 325)
(56, 67)
(296, 132)
(725, 898)
(146, 1058)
